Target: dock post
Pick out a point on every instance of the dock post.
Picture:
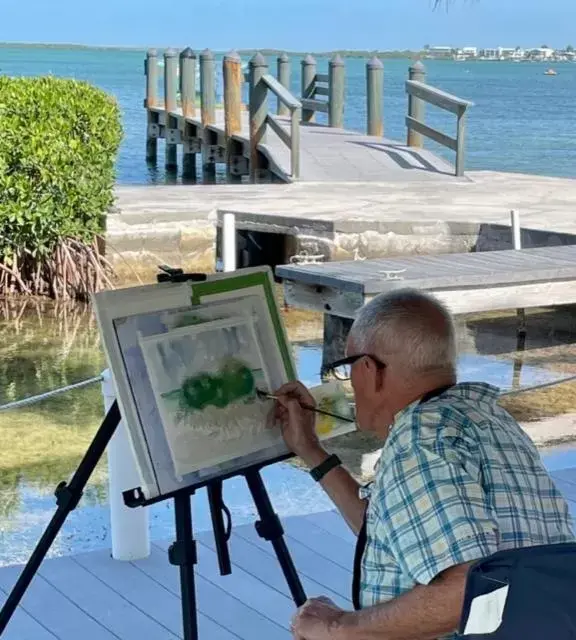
(416, 106)
(151, 70)
(208, 109)
(170, 106)
(188, 97)
(375, 94)
(308, 85)
(461, 143)
(229, 241)
(258, 112)
(521, 330)
(284, 73)
(337, 91)
(233, 76)
(129, 528)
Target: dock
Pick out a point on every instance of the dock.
(93, 597)
(465, 283)
(289, 144)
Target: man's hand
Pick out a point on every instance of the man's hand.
(317, 619)
(298, 424)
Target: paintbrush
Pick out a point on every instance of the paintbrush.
(308, 407)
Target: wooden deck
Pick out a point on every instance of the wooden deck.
(93, 597)
(330, 154)
(466, 282)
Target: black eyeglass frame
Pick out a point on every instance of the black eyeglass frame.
(350, 360)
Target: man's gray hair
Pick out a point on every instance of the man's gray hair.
(410, 323)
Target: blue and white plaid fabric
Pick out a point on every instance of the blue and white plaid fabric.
(457, 480)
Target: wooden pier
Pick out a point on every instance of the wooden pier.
(289, 145)
(466, 283)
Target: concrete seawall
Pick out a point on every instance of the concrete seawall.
(178, 224)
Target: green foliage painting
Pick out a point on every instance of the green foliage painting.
(233, 382)
(58, 144)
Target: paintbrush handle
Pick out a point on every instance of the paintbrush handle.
(327, 413)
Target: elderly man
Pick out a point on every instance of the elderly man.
(457, 479)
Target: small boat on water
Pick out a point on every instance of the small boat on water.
(551, 72)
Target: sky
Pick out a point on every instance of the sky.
(314, 25)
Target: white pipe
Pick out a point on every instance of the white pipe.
(228, 242)
(516, 230)
(129, 528)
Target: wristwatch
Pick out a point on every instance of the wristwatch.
(322, 469)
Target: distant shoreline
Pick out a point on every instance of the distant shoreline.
(349, 53)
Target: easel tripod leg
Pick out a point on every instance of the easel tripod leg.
(67, 498)
(183, 554)
(270, 528)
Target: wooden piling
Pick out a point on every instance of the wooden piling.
(188, 82)
(337, 91)
(233, 76)
(170, 106)
(416, 106)
(188, 98)
(375, 97)
(207, 108)
(284, 73)
(258, 112)
(308, 85)
(151, 70)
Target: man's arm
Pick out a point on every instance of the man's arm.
(340, 486)
(425, 613)
(298, 429)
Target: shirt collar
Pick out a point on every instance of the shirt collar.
(474, 391)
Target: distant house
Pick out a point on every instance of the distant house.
(489, 54)
(470, 52)
(440, 52)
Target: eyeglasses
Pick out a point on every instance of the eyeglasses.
(342, 369)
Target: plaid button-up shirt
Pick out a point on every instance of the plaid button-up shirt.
(457, 480)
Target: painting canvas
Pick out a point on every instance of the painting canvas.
(148, 333)
(204, 377)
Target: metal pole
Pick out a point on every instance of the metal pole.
(374, 92)
(170, 103)
(337, 91)
(416, 106)
(284, 73)
(228, 242)
(258, 111)
(151, 69)
(129, 528)
(308, 85)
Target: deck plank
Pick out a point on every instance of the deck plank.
(308, 563)
(60, 615)
(332, 522)
(24, 627)
(147, 595)
(101, 602)
(214, 601)
(248, 589)
(257, 562)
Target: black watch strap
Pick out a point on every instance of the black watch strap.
(322, 469)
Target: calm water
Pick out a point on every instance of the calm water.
(45, 346)
(523, 121)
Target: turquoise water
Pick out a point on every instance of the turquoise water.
(522, 120)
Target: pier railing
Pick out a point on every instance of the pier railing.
(261, 83)
(420, 94)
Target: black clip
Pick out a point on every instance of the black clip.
(183, 553)
(66, 497)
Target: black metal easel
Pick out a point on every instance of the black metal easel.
(182, 552)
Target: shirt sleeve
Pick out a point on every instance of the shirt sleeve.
(435, 514)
